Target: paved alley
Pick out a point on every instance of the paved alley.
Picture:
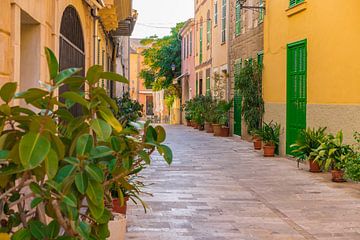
(220, 188)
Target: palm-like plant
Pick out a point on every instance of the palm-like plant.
(270, 134)
(308, 142)
(333, 153)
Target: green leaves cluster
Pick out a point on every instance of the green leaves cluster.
(68, 162)
(159, 58)
(248, 84)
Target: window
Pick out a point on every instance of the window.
(237, 66)
(237, 18)
(295, 2)
(201, 44)
(183, 48)
(261, 11)
(215, 13)
(208, 29)
(191, 44)
(187, 46)
(223, 22)
(197, 85)
(208, 92)
(200, 86)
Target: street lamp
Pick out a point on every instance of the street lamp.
(173, 67)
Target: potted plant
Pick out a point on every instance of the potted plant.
(270, 134)
(256, 137)
(55, 166)
(188, 112)
(305, 148)
(333, 154)
(221, 118)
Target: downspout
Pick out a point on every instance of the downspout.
(95, 36)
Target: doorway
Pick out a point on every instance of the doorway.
(296, 91)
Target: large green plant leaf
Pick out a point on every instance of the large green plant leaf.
(96, 210)
(76, 98)
(33, 149)
(108, 116)
(38, 230)
(53, 64)
(81, 182)
(65, 74)
(7, 91)
(93, 74)
(95, 172)
(95, 192)
(102, 129)
(161, 134)
(31, 95)
(84, 144)
(53, 229)
(22, 234)
(84, 230)
(101, 151)
(166, 152)
(51, 164)
(114, 77)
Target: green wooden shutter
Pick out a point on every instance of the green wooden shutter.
(237, 18)
(197, 87)
(296, 91)
(237, 114)
(208, 31)
(261, 11)
(260, 58)
(295, 2)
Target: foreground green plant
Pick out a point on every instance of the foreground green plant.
(333, 153)
(60, 163)
(270, 134)
(308, 142)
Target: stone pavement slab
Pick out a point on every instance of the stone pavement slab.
(220, 188)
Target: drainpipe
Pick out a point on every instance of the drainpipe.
(95, 30)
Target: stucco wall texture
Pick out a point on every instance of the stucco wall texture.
(333, 71)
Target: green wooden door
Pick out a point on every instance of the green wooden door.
(237, 114)
(296, 91)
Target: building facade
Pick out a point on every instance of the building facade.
(78, 31)
(203, 46)
(246, 36)
(187, 34)
(219, 41)
(311, 76)
(138, 90)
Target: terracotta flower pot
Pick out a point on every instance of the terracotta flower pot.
(269, 150)
(207, 126)
(201, 128)
(217, 129)
(314, 166)
(210, 130)
(225, 131)
(196, 126)
(188, 123)
(117, 207)
(257, 143)
(337, 176)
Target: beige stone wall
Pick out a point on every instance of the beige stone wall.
(277, 112)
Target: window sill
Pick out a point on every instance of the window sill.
(296, 9)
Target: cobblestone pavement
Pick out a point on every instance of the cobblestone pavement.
(220, 188)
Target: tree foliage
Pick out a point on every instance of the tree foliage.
(159, 58)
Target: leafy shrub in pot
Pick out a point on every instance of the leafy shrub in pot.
(305, 148)
(333, 154)
(61, 163)
(221, 118)
(270, 134)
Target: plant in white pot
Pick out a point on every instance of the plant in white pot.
(55, 167)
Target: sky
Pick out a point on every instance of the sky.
(157, 16)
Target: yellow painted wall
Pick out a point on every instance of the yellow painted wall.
(333, 37)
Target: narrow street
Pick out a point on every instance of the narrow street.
(220, 188)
